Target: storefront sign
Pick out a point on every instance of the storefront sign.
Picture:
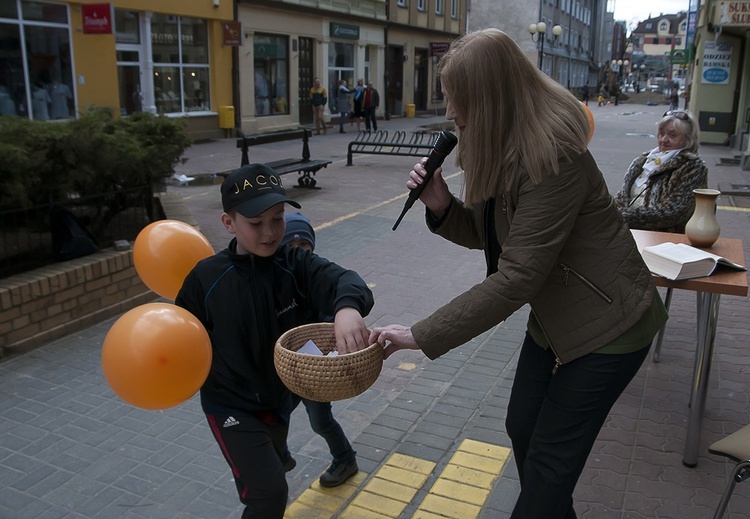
(97, 18)
(232, 33)
(345, 31)
(717, 62)
(438, 48)
(733, 13)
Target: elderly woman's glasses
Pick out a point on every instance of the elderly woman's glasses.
(677, 114)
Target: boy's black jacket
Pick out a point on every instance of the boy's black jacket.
(246, 302)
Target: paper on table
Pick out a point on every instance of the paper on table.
(310, 348)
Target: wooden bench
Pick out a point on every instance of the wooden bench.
(305, 166)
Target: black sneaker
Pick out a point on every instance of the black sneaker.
(338, 473)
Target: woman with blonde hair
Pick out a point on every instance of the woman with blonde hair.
(537, 204)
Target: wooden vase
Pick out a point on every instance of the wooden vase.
(702, 230)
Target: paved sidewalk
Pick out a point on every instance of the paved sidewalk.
(69, 448)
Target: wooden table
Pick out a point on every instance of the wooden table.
(708, 289)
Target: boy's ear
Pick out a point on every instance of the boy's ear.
(228, 221)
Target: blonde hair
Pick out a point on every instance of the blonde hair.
(516, 117)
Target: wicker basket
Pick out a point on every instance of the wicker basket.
(321, 378)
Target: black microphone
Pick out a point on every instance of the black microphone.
(443, 146)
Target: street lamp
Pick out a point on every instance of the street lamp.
(540, 29)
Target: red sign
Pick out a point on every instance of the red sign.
(97, 18)
(232, 33)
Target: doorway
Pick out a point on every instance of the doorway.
(395, 80)
(421, 83)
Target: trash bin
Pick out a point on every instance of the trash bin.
(226, 117)
(410, 110)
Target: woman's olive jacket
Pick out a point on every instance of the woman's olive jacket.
(565, 250)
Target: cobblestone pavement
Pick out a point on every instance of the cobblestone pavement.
(69, 448)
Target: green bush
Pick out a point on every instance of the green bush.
(47, 162)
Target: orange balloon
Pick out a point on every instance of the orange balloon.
(591, 120)
(156, 356)
(165, 252)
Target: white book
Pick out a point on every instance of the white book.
(681, 261)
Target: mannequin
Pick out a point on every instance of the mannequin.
(59, 94)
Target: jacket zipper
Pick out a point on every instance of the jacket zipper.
(588, 283)
(558, 362)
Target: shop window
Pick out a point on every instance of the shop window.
(180, 54)
(340, 66)
(271, 74)
(127, 27)
(8, 10)
(44, 58)
(129, 51)
(43, 12)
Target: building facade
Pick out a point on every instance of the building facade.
(720, 86)
(655, 42)
(220, 63)
(570, 57)
(395, 44)
(131, 55)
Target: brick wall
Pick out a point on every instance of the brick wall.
(50, 302)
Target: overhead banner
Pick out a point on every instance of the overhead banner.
(717, 62)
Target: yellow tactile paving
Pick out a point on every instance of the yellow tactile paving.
(392, 487)
(459, 492)
(464, 484)
(448, 507)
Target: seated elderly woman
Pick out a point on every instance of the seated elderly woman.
(657, 192)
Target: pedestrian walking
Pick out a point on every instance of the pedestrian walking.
(319, 99)
(370, 105)
(342, 103)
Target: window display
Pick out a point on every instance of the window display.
(44, 58)
(270, 74)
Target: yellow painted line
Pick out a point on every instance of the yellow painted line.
(368, 209)
(459, 492)
(464, 485)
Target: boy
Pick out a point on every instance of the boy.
(300, 233)
(247, 296)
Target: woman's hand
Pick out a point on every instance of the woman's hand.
(397, 336)
(350, 330)
(436, 195)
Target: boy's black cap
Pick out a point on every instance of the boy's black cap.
(253, 189)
